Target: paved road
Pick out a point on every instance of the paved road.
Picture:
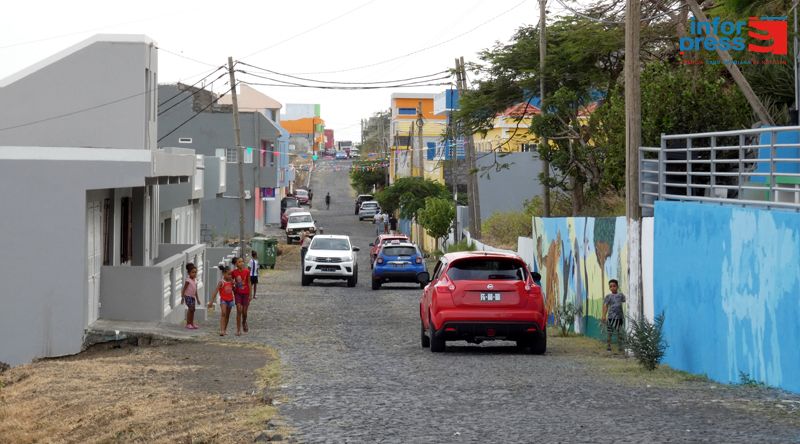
(355, 372)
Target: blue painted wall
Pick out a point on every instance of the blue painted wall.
(728, 280)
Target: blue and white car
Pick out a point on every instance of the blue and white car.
(399, 261)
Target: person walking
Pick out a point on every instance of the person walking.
(310, 197)
(226, 299)
(612, 309)
(380, 223)
(328, 201)
(305, 241)
(189, 295)
(392, 224)
(253, 273)
(241, 292)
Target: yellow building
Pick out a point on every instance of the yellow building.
(407, 156)
(510, 131)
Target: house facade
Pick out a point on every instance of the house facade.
(210, 133)
(80, 170)
(408, 157)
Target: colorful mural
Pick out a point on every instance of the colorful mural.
(576, 257)
(728, 281)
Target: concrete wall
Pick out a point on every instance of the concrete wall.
(728, 281)
(142, 287)
(107, 73)
(43, 248)
(507, 189)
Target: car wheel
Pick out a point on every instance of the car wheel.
(353, 280)
(437, 344)
(539, 343)
(288, 240)
(305, 281)
(376, 284)
(425, 341)
(422, 285)
(271, 267)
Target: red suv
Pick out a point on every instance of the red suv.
(482, 296)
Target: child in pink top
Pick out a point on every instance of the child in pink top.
(189, 295)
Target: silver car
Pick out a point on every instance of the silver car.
(368, 210)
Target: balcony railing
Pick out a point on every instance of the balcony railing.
(756, 167)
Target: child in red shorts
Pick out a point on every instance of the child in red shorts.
(241, 291)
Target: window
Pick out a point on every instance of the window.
(402, 140)
(219, 152)
(302, 218)
(248, 155)
(528, 147)
(481, 269)
(399, 251)
(108, 226)
(232, 154)
(329, 244)
(407, 111)
(126, 234)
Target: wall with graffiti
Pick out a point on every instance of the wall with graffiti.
(728, 281)
(576, 257)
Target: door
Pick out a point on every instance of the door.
(94, 243)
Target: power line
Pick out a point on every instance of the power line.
(185, 57)
(422, 49)
(314, 28)
(280, 85)
(189, 95)
(344, 83)
(197, 113)
(301, 85)
(193, 85)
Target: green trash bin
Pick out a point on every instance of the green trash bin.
(267, 249)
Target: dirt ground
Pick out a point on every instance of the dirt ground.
(192, 392)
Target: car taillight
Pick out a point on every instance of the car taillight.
(419, 260)
(380, 260)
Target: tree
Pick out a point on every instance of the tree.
(437, 216)
(367, 175)
(408, 194)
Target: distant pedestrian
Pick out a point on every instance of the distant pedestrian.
(226, 299)
(241, 292)
(385, 223)
(393, 224)
(380, 223)
(189, 295)
(328, 201)
(613, 314)
(310, 197)
(253, 273)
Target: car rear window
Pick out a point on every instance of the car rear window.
(480, 269)
(300, 219)
(369, 205)
(399, 251)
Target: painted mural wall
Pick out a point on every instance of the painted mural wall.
(728, 281)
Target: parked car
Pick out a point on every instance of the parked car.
(341, 155)
(302, 196)
(330, 257)
(368, 210)
(361, 199)
(297, 223)
(289, 202)
(285, 215)
(375, 247)
(481, 296)
(399, 262)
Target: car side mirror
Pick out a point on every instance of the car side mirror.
(356, 249)
(424, 277)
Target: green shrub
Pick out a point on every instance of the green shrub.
(565, 316)
(646, 341)
(501, 230)
(462, 245)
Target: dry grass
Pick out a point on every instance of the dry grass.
(188, 392)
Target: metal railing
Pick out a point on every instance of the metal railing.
(755, 167)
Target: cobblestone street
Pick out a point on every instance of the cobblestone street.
(354, 371)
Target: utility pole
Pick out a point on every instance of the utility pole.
(542, 53)
(469, 149)
(421, 156)
(240, 153)
(633, 138)
(451, 147)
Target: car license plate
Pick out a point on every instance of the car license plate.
(324, 268)
(489, 297)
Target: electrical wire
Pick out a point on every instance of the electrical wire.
(313, 28)
(284, 83)
(280, 85)
(189, 95)
(197, 113)
(422, 49)
(344, 83)
(160, 104)
(185, 57)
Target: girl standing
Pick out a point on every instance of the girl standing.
(189, 295)
(241, 292)
(226, 299)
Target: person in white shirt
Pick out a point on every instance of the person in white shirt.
(253, 273)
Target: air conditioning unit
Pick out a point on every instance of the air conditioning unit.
(247, 194)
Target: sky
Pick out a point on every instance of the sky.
(315, 39)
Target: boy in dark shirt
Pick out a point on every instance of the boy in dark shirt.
(613, 315)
